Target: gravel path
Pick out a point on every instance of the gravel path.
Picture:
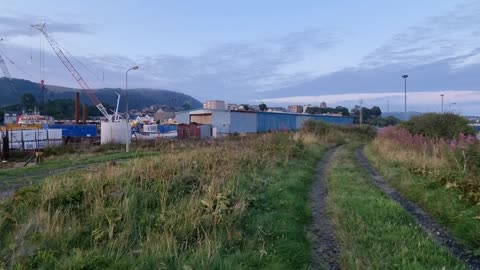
(325, 251)
(426, 222)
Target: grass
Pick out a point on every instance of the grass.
(373, 231)
(233, 204)
(443, 201)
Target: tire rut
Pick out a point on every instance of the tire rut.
(325, 251)
(426, 222)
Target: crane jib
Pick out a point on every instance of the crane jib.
(73, 71)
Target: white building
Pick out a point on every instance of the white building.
(214, 105)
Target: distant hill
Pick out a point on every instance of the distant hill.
(137, 98)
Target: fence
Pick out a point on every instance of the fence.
(24, 140)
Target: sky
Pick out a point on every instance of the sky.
(277, 52)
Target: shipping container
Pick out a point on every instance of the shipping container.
(76, 130)
(167, 128)
(194, 131)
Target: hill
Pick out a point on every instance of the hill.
(137, 98)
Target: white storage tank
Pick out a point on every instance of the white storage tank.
(115, 132)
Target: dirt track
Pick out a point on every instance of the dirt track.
(324, 250)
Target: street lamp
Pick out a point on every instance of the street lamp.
(129, 135)
(450, 106)
(442, 95)
(405, 77)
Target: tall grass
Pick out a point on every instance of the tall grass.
(454, 163)
(182, 209)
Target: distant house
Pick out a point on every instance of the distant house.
(163, 116)
(214, 105)
(295, 108)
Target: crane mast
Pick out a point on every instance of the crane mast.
(73, 71)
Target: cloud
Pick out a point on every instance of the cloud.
(15, 26)
(415, 98)
(452, 34)
(465, 101)
(229, 71)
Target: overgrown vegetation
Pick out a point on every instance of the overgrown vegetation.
(231, 204)
(439, 126)
(437, 166)
(373, 231)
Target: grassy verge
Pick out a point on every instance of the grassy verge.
(445, 203)
(373, 231)
(237, 204)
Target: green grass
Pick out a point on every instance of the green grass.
(373, 231)
(235, 204)
(447, 206)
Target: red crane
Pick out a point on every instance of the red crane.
(83, 84)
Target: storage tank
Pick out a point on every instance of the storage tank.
(115, 132)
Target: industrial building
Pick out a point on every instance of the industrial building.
(227, 122)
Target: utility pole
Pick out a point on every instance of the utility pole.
(405, 77)
(128, 133)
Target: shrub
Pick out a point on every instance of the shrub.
(434, 125)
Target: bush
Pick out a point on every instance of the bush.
(434, 125)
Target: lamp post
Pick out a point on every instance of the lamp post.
(128, 134)
(405, 77)
(442, 95)
(450, 106)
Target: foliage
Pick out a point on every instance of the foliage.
(454, 163)
(263, 107)
(229, 204)
(367, 114)
(437, 126)
(336, 134)
(28, 101)
(328, 110)
(383, 121)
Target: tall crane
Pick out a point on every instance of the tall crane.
(7, 74)
(83, 84)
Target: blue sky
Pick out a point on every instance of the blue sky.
(250, 51)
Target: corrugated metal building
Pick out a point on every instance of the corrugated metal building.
(225, 121)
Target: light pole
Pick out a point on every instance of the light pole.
(405, 77)
(129, 135)
(450, 106)
(442, 95)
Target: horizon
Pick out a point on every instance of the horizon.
(251, 52)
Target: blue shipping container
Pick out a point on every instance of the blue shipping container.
(166, 128)
(76, 130)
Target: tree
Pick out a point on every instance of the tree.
(263, 107)
(376, 111)
(186, 106)
(245, 107)
(28, 101)
(343, 110)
